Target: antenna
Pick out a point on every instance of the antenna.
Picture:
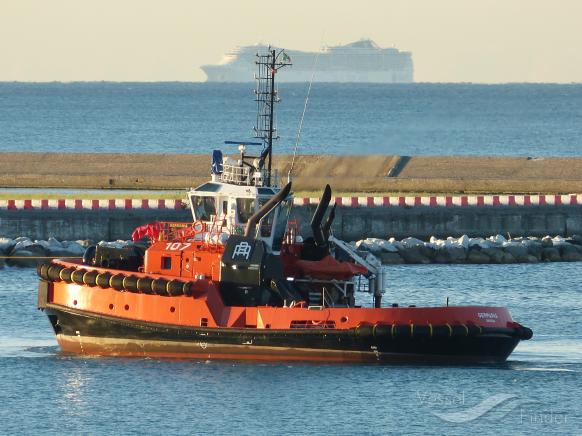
(298, 137)
(266, 96)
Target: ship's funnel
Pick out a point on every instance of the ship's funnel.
(266, 208)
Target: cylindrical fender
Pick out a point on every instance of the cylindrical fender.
(364, 330)
(129, 283)
(116, 282)
(474, 330)
(401, 331)
(89, 278)
(382, 331)
(65, 275)
(77, 276)
(441, 331)
(159, 286)
(102, 280)
(42, 270)
(144, 285)
(53, 272)
(421, 331)
(174, 288)
(460, 330)
(188, 289)
(523, 333)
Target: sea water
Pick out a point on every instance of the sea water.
(537, 391)
(400, 119)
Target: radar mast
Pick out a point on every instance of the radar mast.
(266, 96)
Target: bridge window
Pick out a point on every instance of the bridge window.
(204, 207)
(245, 208)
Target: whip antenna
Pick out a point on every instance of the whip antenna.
(298, 137)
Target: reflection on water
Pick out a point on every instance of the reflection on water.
(74, 401)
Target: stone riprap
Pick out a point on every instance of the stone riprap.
(25, 252)
(495, 249)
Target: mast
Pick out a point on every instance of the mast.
(266, 97)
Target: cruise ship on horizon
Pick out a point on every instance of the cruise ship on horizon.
(361, 61)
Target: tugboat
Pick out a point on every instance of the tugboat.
(239, 282)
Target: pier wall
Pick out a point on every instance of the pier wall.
(351, 223)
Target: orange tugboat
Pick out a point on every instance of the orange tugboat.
(240, 283)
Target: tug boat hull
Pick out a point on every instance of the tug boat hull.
(240, 282)
(80, 332)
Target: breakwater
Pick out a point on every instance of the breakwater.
(24, 252)
(356, 218)
(494, 249)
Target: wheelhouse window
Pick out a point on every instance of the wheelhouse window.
(204, 207)
(245, 208)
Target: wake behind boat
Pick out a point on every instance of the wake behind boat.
(239, 282)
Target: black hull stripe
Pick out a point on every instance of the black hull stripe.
(108, 335)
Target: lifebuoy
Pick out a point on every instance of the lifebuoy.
(198, 226)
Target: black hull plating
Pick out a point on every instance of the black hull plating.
(95, 334)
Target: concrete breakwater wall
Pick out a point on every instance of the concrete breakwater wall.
(361, 218)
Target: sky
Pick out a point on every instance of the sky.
(485, 41)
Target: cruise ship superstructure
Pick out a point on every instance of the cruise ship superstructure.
(360, 61)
